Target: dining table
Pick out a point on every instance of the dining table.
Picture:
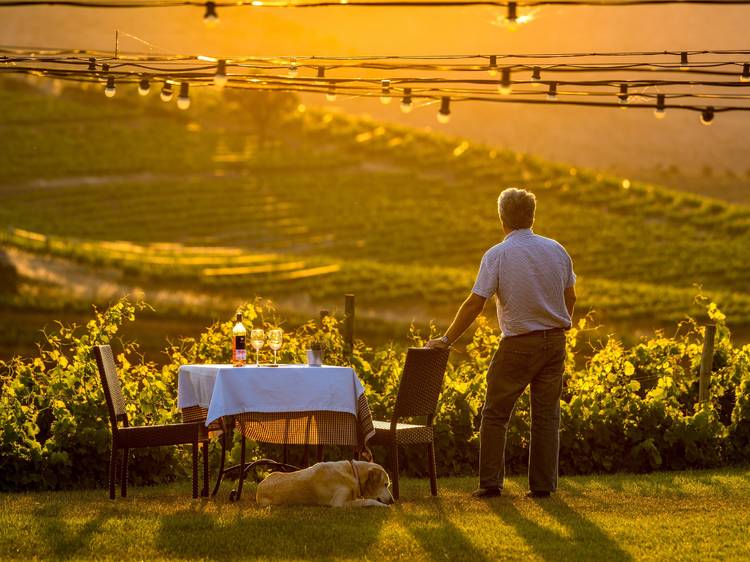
(286, 404)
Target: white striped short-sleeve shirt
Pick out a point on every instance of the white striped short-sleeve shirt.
(528, 274)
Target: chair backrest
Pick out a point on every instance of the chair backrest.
(421, 382)
(105, 361)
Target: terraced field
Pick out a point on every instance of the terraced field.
(335, 204)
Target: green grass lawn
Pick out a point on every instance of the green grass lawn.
(701, 515)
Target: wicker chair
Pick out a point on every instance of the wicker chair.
(418, 393)
(126, 437)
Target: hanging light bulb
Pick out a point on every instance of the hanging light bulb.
(505, 87)
(385, 92)
(512, 20)
(183, 100)
(293, 71)
(660, 111)
(707, 117)
(92, 64)
(623, 96)
(211, 18)
(745, 76)
(110, 90)
(684, 64)
(220, 78)
(406, 103)
(331, 95)
(444, 115)
(552, 92)
(512, 17)
(144, 87)
(166, 92)
(492, 69)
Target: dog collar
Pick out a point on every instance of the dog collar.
(356, 477)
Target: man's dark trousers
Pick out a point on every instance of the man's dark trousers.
(537, 359)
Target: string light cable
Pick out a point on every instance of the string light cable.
(516, 80)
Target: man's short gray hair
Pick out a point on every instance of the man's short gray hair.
(516, 208)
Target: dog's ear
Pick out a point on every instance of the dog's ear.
(376, 478)
(371, 483)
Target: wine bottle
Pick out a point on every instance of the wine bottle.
(239, 332)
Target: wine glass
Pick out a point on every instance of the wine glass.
(275, 338)
(257, 339)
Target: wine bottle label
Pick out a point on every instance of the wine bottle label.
(239, 348)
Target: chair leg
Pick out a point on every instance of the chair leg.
(221, 463)
(112, 471)
(238, 495)
(432, 468)
(124, 474)
(394, 470)
(195, 469)
(204, 493)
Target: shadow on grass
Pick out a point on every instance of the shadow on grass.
(63, 542)
(253, 532)
(673, 483)
(437, 535)
(586, 541)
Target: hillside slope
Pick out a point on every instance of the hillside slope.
(333, 204)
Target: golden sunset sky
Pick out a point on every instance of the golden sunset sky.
(629, 142)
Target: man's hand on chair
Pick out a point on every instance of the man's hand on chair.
(438, 343)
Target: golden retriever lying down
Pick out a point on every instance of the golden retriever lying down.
(338, 484)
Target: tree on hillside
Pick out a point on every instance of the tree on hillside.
(264, 110)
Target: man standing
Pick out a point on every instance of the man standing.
(533, 280)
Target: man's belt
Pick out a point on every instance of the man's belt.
(545, 333)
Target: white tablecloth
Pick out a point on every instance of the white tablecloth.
(225, 390)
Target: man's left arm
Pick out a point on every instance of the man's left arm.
(467, 313)
(570, 299)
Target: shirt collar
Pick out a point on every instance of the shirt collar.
(519, 232)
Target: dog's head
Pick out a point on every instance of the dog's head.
(375, 482)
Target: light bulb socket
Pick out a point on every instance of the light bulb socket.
(321, 72)
(552, 92)
(144, 87)
(745, 76)
(684, 60)
(512, 11)
(536, 74)
(105, 68)
(493, 63)
(445, 105)
(92, 64)
(707, 116)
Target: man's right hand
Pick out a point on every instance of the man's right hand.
(437, 343)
